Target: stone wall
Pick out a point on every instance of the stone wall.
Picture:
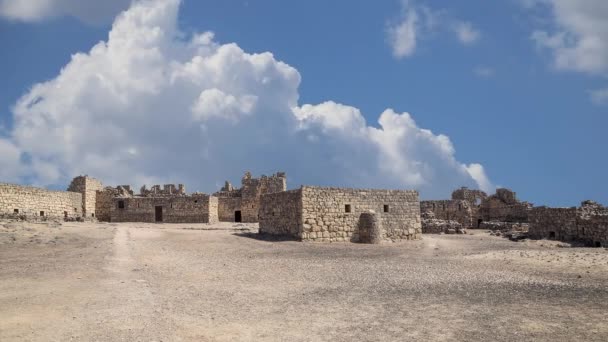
(104, 203)
(281, 214)
(460, 211)
(474, 197)
(247, 198)
(36, 203)
(332, 214)
(227, 208)
(177, 209)
(588, 223)
(88, 187)
(504, 206)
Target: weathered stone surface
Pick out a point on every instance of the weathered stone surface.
(370, 228)
(246, 200)
(333, 214)
(88, 187)
(587, 223)
(34, 203)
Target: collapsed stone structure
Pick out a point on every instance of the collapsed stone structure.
(472, 208)
(242, 205)
(433, 225)
(339, 214)
(587, 223)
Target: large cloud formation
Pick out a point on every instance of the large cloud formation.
(150, 106)
(94, 12)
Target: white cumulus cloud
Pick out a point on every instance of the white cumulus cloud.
(149, 105)
(95, 11)
(577, 36)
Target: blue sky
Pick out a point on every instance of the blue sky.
(502, 98)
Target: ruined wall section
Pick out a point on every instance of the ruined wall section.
(588, 223)
(281, 214)
(460, 211)
(553, 223)
(88, 187)
(474, 197)
(177, 209)
(36, 203)
(104, 203)
(504, 207)
(253, 188)
(247, 199)
(333, 214)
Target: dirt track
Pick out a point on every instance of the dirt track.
(136, 282)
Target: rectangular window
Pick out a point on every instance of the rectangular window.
(121, 204)
(42, 213)
(65, 214)
(16, 211)
(386, 208)
(347, 208)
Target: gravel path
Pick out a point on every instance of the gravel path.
(138, 282)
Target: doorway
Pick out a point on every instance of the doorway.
(237, 216)
(158, 211)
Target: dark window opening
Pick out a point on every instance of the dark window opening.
(386, 208)
(41, 213)
(195, 201)
(479, 222)
(171, 205)
(65, 214)
(347, 208)
(75, 210)
(598, 244)
(460, 207)
(237, 216)
(121, 204)
(16, 211)
(551, 235)
(93, 215)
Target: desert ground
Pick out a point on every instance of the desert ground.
(149, 282)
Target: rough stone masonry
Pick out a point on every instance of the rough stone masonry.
(334, 214)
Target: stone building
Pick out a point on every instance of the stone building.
(334, 214)
(31, 203)
(587, 223)
(168, 205)
(242, 205)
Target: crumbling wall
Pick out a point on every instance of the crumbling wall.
(247, 198)
(474, 197)
(460, 211)
(588, 223)
(432, 225)
(36, 203)
(281, 214)
(88, 187)
(553, 223)
(176, 209)
(332, 214)
(504, 206)
(104, 203)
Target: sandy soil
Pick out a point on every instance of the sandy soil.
(145, 282)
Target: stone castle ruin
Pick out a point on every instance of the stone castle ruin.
(309, 213)
(474, 209)
(242, 205)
